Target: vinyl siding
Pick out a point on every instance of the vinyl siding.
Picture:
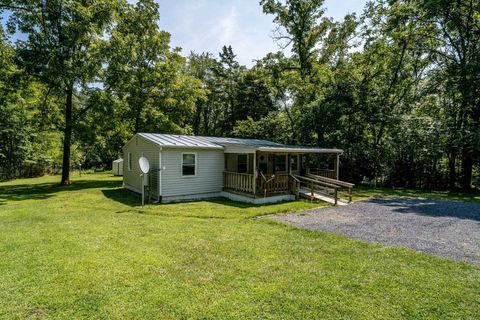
(150, 150)
(209, 172)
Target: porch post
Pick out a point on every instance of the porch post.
(254, 173)
(337, 162)
(289, 165)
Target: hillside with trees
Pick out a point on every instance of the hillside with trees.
(397, 87)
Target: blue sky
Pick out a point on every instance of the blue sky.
(207, 25)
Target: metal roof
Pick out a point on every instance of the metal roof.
(183, 141)
(173, 140)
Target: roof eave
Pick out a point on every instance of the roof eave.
(300, 150)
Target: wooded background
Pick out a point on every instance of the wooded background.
(397, 87)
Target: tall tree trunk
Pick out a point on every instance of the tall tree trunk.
(451, 170)
(67, 137)
(467, 168)
(137, 118)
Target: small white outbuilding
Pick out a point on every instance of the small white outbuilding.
(117, 167)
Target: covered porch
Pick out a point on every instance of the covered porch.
(271, 171)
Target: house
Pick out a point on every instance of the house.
(255, 171)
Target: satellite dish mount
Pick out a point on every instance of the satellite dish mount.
(145, 168)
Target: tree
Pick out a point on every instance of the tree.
(151, 78)
(61, 49)
(300, 24)
(202, 67)
(228, 72)
(456, 29)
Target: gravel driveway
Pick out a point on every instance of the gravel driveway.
(450, 229)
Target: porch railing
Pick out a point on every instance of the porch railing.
(331, 174)
(242, 182)
(278, 184)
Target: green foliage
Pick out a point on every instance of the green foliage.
(396, 88)
(145, 73)
(274, 126)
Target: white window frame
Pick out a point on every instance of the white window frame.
(196, 166)
(129, 161)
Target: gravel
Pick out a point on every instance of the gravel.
(449, 229)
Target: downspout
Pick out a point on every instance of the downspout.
(254, 173)
(160, 169)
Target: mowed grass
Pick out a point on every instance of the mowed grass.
(88, 251)
(362, 192)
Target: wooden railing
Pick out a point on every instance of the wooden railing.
(295, 186)
(338, 183)
(331, 174)
(278, 183)
(242, 182)
(316, 186)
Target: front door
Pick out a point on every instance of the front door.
(263, 163)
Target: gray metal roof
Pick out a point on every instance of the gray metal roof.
(183, 141)
(173, 140)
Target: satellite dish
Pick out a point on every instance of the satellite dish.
(144, 164)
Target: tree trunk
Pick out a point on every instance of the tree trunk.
(467, 167)
(451, 170)
(67, 138)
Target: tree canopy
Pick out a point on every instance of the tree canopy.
(397, 87)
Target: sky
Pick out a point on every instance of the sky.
(207, 25)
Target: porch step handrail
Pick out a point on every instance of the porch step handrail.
(330, 180)
(339, 183)
(295, 188)
(321, 187)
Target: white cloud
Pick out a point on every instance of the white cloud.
(227, 27)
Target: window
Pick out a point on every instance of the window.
(129, 161)
(242, 163)
(280, 163)
(189, 161)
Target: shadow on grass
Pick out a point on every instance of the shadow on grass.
(123, 196)
(365, 192)
(133, 199)
(432, 207)
(43, 191)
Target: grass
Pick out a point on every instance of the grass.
(363, 192)
(88, 251)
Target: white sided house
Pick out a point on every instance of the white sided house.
(248, 170)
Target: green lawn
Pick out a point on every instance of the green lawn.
(363, 192)
(89, 251)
